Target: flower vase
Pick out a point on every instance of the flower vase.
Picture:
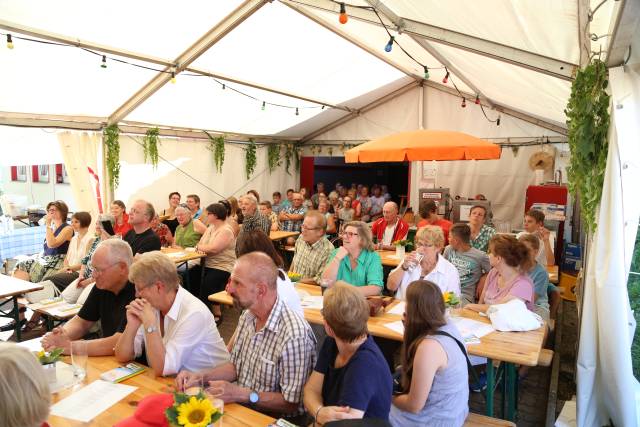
(50, 372)
(400, 252)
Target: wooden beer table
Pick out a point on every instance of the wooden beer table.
(10, 289)
(280, 235)
(182, 257)
(235, 415)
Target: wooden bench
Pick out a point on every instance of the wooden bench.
(545, 358)
(476, 420)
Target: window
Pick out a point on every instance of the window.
(19, 173)
(40, 173)
(61, 174)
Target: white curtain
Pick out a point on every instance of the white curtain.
(605, 383)
(80, 151)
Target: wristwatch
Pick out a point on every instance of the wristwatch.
(151, 329)
(254, 397)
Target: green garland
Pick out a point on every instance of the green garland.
(216, 146)
(273, 152)
(150, 146)
(288, 152)
(250, 158)
(588, 124)
(110, 136)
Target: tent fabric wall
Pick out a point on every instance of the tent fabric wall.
(605, 383)
(186, 166)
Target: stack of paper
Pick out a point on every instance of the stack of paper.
(90, 401)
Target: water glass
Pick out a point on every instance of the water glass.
(196, 386)
(417, 258)
(79, 358)
(214, 397)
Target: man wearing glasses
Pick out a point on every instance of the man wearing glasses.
(106, 303)
(312, 248)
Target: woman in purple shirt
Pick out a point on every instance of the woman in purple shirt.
(508, 278)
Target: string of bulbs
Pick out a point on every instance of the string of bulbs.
(343, 18)
(223, 85)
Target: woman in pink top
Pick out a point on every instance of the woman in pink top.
(508, 278)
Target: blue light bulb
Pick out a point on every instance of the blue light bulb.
(389, 45)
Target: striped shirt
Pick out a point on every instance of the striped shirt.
(482, 240)
(310, 260)
(279, 357)
(256, 222)
(291, 225)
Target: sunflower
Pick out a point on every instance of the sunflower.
(195, 412)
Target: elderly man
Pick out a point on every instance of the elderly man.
(253, 219)
(189, 231)
(472, 264)
(274, 348)
(141, 237)
(291, 217)
(389, 228)
(175, 328)
(312, 248)
(106, 302)
(266, 209)
(429, 212)
(534, 224)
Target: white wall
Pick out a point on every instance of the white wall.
(37, 193)
(187, 166)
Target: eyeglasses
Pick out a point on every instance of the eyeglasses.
(310, 228)
(348, 234)
(98, 271)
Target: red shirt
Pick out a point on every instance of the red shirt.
(444, 224)
(399, 233)
(123, 228)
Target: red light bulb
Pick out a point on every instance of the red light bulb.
(343, 14)
(446, 78)
(464, 103)
(477, 100)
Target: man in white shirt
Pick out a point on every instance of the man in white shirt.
(175, 328)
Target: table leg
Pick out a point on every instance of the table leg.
(49, 323)
(490, 386)
(187, 282)
(511, 392)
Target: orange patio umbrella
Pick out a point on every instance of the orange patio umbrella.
(424, 144)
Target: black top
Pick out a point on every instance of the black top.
(109, 308)
(172, 224)
(146, 241)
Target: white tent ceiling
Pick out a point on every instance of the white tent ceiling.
(517, 56)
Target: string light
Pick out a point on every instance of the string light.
(343, 14)
(446, 78)
(104, 61)
(9, 41)
(426, 72)
(498, 121)
(173, 77)
(464, 103)
(224, 86)
(389, 45)
(477, 100)
(264, 105)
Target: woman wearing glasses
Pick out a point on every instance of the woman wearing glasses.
(356, 262)
(426, 263)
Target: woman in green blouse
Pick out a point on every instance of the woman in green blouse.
(356, 262)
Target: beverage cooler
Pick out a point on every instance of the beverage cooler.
(552, 200)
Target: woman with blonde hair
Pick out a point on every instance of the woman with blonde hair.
(24, 389)
(342, 384)
(435, 379)
(356, 262)
(426, 263)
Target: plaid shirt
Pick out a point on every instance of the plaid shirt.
(293, 225)
(256, 222)
(310, 260)
(482, 241)
(279, 357)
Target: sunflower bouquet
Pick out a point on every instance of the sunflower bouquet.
(294, 276)
(192, 411)
(450, 299)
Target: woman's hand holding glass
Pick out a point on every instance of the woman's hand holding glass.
(412, 260)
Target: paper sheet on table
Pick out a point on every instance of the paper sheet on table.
(396, 326)
(176, 254)
(64, 309)
(472, 330)
(398, 308)
(312, 301)
(32, 345)
(90, 401)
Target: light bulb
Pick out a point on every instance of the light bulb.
(464, 103)
(446, 78)
(297, 112)
(343, 14)
(264, 105)
(426, 72)
(224, 86)
(9, 41)
(173, 77)
(498, 121)
(477, 100)
(104, 62)
(389, 45)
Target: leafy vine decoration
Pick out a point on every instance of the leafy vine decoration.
(250, 158)
(588, 126)
(273, 155)
(150, 146)
(111, 134)
(216, 146)
(287, 158)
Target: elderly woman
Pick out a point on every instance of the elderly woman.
(434, 367)
(119, 212)
(56, 245)
(218, 243)
(189, 231)
(507, 279)
(480, 233)
(24, 388)
(185, 338)
(356, 262)
(170, 213)
(426, 263)
(342, 380)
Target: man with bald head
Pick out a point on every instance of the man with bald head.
(141, 237)
(389, 228)
(274, 348)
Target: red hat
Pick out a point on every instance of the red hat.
(150, 412)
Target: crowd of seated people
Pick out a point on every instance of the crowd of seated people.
(133, 291)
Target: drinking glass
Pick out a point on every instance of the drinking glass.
(213, 395)
(417, 257)
(196, 386)
(79, 358)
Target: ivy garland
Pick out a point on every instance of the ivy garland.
(216, 146)
(250, 158)
(287, 158)
(150, 146)
(273, 152)
(298, 155)
(588, 126)
(110, 135)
